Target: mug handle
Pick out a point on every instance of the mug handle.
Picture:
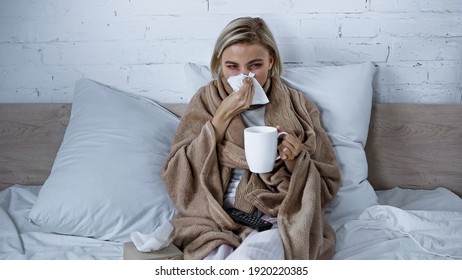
(280, 134)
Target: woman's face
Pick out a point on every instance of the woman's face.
(245, 58)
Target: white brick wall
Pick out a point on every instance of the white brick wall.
(141, 45)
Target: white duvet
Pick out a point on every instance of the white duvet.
(387, 232)
(405, 225)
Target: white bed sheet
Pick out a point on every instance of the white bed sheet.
(407, 224)
(20, 239)
(440, 199)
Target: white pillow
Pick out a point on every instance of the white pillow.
(344, 97)
(105, 182)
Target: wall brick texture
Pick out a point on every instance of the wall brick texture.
(141, 45)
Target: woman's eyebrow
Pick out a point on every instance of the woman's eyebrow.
(250, 62)
(255, 60)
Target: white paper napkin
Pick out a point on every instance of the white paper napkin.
(259, 96)
(154, 241)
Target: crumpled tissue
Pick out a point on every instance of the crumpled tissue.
(259, 96)
(154, 241)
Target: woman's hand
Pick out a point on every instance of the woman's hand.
(234, 104)
(289, 149)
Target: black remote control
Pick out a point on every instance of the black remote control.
(247, 219)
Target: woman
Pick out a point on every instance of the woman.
(206, 170)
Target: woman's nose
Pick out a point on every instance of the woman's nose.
(243, 69)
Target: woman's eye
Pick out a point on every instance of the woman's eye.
(232, 66)
(254, 66)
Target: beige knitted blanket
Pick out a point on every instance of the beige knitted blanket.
(198, 169)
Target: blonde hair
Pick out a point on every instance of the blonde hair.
(245, 30)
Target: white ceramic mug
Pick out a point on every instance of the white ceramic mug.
(260, 145)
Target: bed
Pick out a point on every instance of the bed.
(77, 179)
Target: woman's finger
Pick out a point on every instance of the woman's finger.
(247, 89)
(291, 146)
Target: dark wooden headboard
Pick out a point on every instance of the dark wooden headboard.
(409, 145)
